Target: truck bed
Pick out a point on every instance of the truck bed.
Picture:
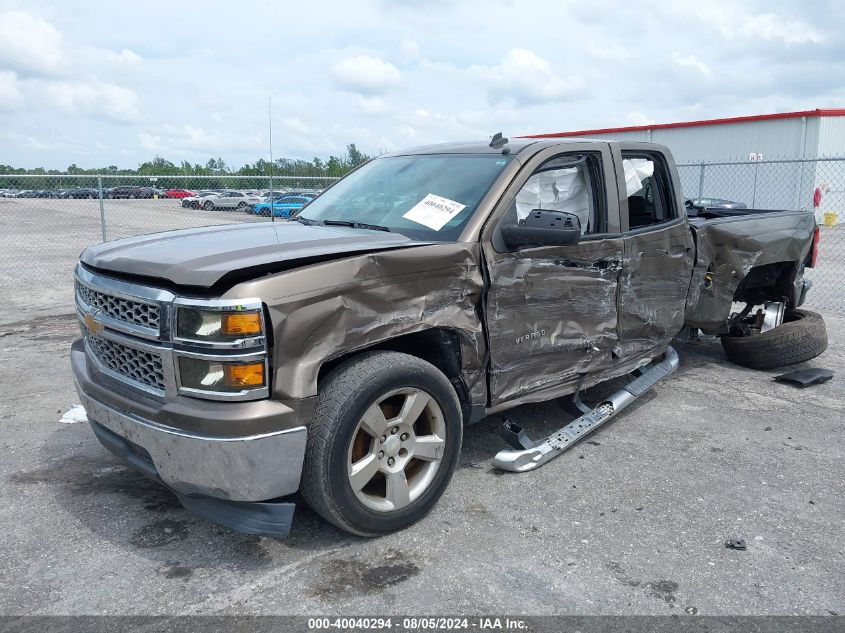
(729, 244)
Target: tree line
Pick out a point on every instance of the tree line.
(333, 167)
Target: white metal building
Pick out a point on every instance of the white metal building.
(760, 144)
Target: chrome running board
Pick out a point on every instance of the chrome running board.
(527, 455)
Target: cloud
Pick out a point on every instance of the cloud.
(29, 44)
(525, 77)
(734, 21)
(295, 124)
(10, 95)
(366, 75)
(417, 78)
(639, 118)
(609, 52)
(126, 56)
(770, 26)
(371, 105)
(90, 98)
(190, 140)
(149, 141)
(409, 50)
(693, 62)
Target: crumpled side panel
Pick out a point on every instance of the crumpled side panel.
(727, 249)
(551, 315)
(653, 288)
(326, 310)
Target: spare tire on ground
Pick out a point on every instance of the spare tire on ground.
(801, 337)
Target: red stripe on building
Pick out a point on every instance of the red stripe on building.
(666, 126)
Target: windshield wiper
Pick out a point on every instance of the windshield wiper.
(305, 221)
(356, 225)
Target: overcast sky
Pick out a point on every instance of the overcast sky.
(114, 83)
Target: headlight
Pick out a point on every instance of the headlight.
(220, 326)
(220, 376)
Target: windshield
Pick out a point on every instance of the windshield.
(426, 197)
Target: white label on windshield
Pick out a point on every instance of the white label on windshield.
(434, 211)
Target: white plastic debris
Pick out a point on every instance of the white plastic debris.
(74, 415)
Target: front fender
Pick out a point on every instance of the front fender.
(327, 310)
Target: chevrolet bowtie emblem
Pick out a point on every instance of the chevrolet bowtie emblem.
(92, 324)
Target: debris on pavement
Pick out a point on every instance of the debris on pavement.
(74, 415)
(737, 543)
(806, 377)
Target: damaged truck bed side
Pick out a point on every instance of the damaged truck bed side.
(339, 354)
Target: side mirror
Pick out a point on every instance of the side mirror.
(543, 227)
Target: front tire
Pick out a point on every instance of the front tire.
(383, 444)
(801, 337)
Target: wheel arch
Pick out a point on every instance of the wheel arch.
(776, 281)
(439, 346)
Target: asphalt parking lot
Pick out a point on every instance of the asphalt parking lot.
(632, 521)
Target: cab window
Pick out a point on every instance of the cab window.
(570, 183)
(647, 186)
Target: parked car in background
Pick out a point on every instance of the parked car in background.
(194, 202)
(715, 203)
(179, 193)
(81, 192)
(129, 191)
(283, 207)
(266, 195)
(151, 192)
(229, 200)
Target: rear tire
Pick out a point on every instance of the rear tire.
(411, 469)
(801, 337)
(208, 206)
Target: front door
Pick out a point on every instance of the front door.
(551, 311)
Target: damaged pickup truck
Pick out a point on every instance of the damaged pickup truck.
(339, 354)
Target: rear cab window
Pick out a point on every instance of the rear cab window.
(649, 190)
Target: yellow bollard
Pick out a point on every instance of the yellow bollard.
(830, 218)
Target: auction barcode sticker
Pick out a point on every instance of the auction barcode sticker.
(434, 211)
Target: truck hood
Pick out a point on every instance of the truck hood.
(202, 256)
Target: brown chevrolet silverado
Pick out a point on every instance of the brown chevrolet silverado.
(339, 354)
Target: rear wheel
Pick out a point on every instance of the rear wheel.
(241, 206)
(208, 206)
(801, 337)
(383, 444)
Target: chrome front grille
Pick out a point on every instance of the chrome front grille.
(120, 309)
(128, 330)
(137, 365)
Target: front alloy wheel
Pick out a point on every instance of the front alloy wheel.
(383, 443)
(396, 450)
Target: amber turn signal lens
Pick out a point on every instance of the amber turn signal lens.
(251, 375)
(241, 323)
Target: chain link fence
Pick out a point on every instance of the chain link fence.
(47, 220)
(817, 184)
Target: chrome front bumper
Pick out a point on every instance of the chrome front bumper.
(251, 468)
(236, 468)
